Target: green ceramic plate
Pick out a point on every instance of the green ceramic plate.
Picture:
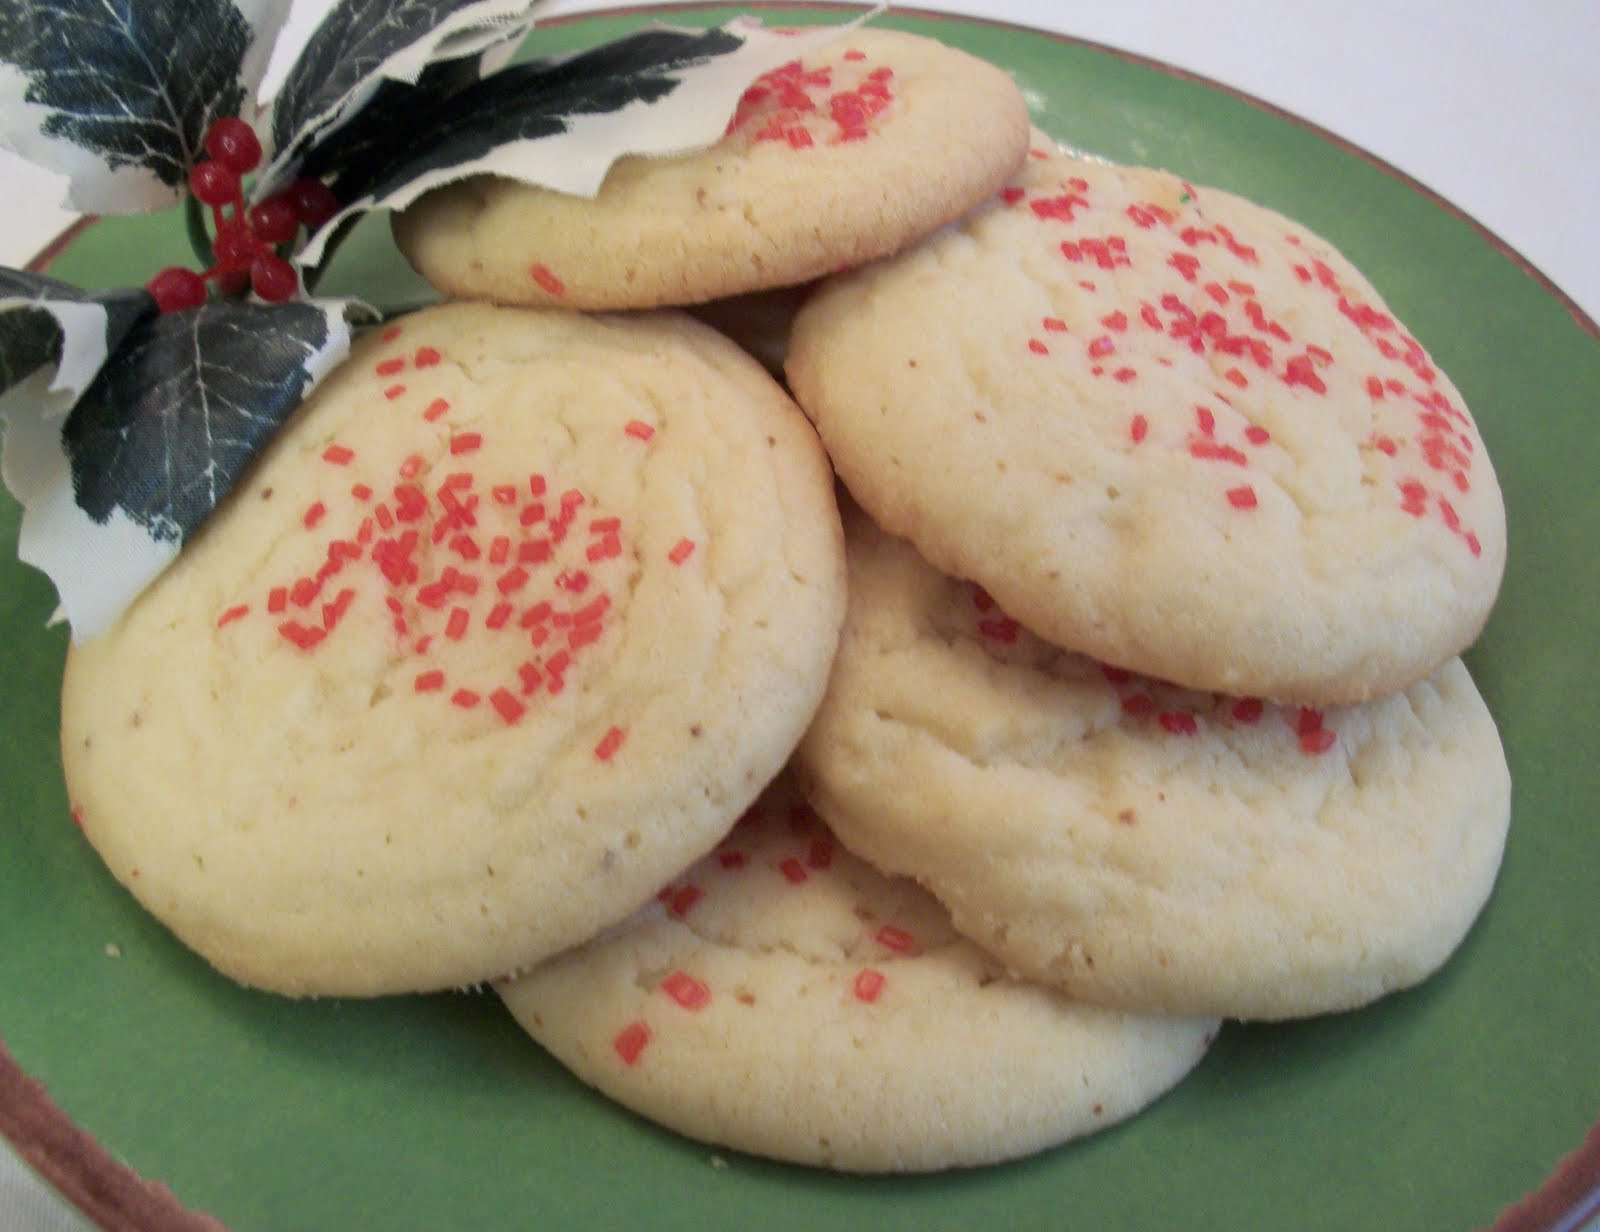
(1432, 1110)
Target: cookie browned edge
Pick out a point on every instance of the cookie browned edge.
(80, 1169)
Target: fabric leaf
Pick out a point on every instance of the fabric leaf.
(59, 335)
(562, 123)
(161, 435)
(117, 94)
(360, 45)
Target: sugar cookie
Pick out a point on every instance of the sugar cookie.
(874, 141)
(785, 999)
(506, 627)
(1164, 427)
(1141, 845)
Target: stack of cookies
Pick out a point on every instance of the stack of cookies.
(906, 769)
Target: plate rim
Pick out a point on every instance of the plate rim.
(116, 1197)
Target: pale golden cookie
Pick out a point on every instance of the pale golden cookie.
(1167, 428)
(785, 999)
(507, 626)
(870, 143)
(1141, 845)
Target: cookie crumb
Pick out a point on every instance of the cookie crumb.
(113, 950)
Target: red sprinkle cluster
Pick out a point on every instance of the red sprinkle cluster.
(806, 107)
(1211, 308)
(450, 552)
(811, 855)
(1138, 695)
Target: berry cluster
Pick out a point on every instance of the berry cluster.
(248, 244)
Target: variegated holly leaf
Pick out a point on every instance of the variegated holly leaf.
(159, 437)
(561, 124)
(118, 96)
(58, 336)
(362, 45)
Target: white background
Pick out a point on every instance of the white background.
(1495, 106)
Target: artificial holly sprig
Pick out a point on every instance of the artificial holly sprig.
(131, 415)
(248, 247)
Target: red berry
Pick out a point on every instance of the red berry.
(233, 282)
(234, 245)
(234, 144)
(274, 220)
(214, 183)
(313, 201)
(273, 278)
(176, 288)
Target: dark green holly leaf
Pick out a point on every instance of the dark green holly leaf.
(172, 421)
(118, 96)
(361, 45)
(44, 322)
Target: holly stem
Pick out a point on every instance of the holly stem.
(199, 237)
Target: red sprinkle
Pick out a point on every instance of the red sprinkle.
(793, 871)
(435, 410)
(686, 990)
(1138, 428)
(1243, 497)
(639, 430)
(426, 357)
(388, 367)
(467, 442)
(1319, 741)
(303, 636)
(1248, 709)
(428, 682)
(610, 743)
(1178, 722)
(897, 939)
(868, 985)
(681, 551)
(339, 455)
(678, 902)
(465, 698)
(314, 514)
(232, 614)
(631, 1041)
(507, 705)
(546, 280)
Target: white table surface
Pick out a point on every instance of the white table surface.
(1494, 106)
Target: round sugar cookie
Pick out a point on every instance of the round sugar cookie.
(1141, 845)
(785, 999)
(507, 626)
(871, 142)
(1167, 428)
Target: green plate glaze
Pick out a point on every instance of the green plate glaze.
(1433, 1110)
